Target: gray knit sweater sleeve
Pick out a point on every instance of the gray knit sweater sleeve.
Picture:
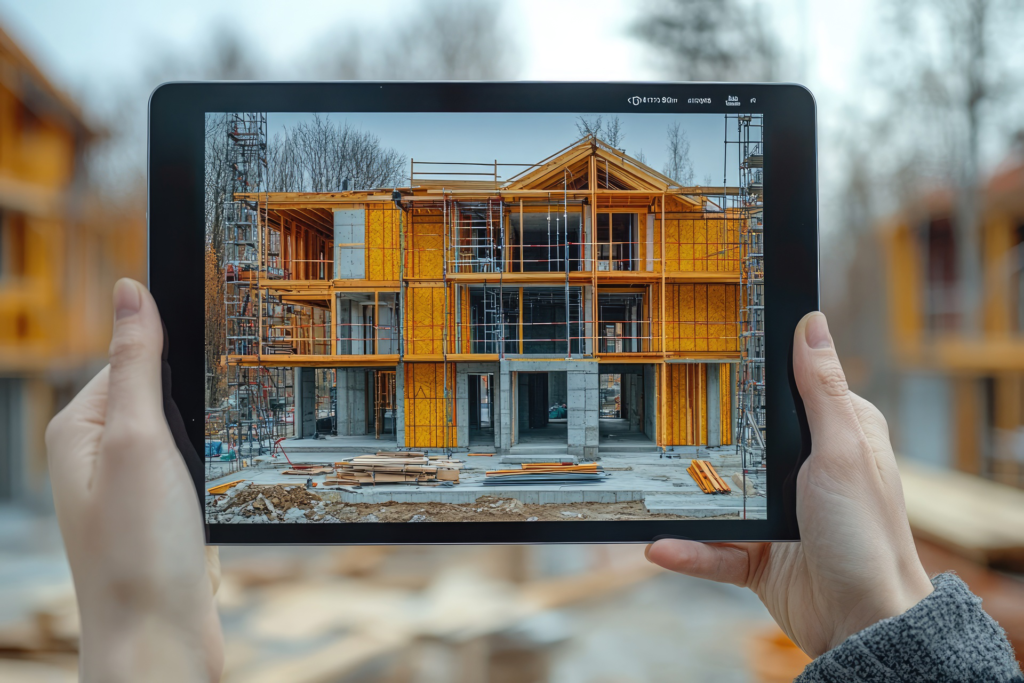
(945, 637)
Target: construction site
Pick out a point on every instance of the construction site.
(578, 337)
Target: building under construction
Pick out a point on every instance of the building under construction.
(567, 304)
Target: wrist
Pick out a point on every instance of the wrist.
(897, 598)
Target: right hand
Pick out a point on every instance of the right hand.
(856, 563)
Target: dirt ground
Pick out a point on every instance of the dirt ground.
(252, 502)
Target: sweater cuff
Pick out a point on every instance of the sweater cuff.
(946, 636)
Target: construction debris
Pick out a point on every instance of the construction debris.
(707, 478)
(394, 468)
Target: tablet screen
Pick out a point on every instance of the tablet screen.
(460, 317)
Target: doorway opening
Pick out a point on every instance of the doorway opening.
(626, 405)
(542, 408)
(481, 409)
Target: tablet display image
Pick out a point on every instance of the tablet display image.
(484, 317)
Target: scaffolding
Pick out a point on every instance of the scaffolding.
(750, 380)
(257, 396)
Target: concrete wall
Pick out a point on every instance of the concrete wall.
(714, 406)
(558, 390)
(350, 229)
(650, 403)
(352, 401)
(305, 402)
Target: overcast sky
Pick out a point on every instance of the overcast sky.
(91, 48)
(528, 138)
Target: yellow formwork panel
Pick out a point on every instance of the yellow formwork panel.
(429, 417)
(382, 241)
(725, 401)
(685, 417)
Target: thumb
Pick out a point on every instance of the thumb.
(134, 393)
(822, 383)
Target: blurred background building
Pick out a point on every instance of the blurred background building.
(921, 152)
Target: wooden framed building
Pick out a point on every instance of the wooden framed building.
(450, 298)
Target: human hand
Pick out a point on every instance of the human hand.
(131, 523)
(856, 562)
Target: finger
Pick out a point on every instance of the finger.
(135, 383)
(822, 383)
(722, 563)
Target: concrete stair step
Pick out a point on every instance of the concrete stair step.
(627, 448)
(703, 505)
(539, 450)
(520, 458)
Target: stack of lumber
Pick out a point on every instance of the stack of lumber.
(546, 473)
(394, 468)
(707, 478)
(975, 518)
(308, 471)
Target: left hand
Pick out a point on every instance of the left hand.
(131, 523)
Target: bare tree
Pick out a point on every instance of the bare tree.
(589, 125)
(450, 40)
(679, 166)
(609, 132)
(320, 155)
(613, 133)
(710, 40)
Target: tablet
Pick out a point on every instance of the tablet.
(485, 312)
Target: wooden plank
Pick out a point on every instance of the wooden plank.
(222, 488)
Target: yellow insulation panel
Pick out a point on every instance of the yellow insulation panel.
(701, 317)
(699, 242)
(382, 241)
(424, 319)
(425, 244)
(429, 414)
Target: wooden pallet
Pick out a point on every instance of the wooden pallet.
(707, 478)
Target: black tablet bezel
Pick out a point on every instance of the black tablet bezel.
(176, 225)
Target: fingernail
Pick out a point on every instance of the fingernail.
(127, 300)
(816, 332)
(647, 552)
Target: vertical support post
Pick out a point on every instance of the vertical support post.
(520, 321)
(334, 322)
(376, 320)
(664, 323)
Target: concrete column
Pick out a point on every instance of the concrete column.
(650, 403)
(505, 393)
(582, 388)
(714, 407)
(593, 407)
(352, 403)
(400, 405)
(305, 402)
